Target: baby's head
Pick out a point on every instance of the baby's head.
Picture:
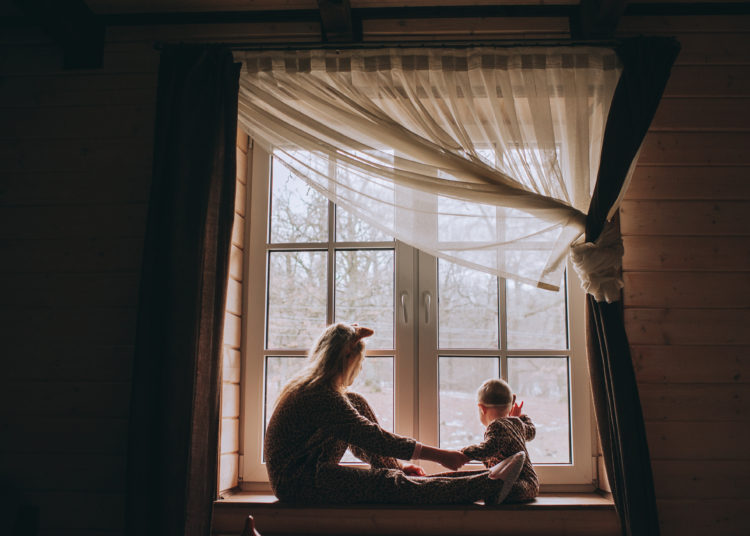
(495, 400)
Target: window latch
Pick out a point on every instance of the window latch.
(427, 302)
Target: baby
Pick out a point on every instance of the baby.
(507, 432)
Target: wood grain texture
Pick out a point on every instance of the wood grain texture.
(235, 263)
(700, 114)
(700, 183)
(688, 218)
(686, 440)
(691, 402)
(691, 364)
(60, 289)
(710, 479)
(40, 359)
(114, 326)
(66, 399)
(116, 122)
(727, 517)
(113, 186)
(73, 221)
(232, 330)
(79, 435)
(232, 365)
(708, 81)
(726, 290)
(67, 471)
(686, 253)
(696, 148)
(688, 326)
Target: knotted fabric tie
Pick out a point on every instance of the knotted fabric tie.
(599, 264)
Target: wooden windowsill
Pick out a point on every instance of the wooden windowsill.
(577, 514)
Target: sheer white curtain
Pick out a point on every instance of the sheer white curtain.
(483, 156)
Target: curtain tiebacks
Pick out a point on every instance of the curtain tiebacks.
(599, 264)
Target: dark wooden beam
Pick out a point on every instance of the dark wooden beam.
(596, 19)
(73, 26)
(336, 19)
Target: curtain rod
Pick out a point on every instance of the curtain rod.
(499, 43)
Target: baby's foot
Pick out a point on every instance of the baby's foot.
(507, 471)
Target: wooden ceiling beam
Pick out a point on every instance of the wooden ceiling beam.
(596, 19)
(73, 26)
(337, 25)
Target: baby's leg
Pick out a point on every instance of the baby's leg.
(375, 460)
(526, 487)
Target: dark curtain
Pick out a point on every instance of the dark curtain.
(175, 413)
(646, 67)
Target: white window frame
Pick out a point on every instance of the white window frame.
(415, 333)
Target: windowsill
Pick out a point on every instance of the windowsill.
(577, 514)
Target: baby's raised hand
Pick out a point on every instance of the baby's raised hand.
(516, 409)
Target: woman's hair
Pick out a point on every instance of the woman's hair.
(327, 359)
(495, 392)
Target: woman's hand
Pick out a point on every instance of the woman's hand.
(412, 470)
(452, 459)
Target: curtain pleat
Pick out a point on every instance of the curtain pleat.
(646, 68)
(175, 405)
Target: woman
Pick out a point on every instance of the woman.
(316, 420)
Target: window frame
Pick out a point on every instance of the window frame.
(415, 395)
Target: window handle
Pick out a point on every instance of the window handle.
(427, 301)
(404, 298)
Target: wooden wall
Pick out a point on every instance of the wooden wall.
(75, 166)
(229, 441)
(686, 227)
(75, 169)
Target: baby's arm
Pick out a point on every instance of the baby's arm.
(486, 449)
(529, 430)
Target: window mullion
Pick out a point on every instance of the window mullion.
(331, 271)
(503, 319)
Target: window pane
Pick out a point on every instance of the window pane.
(467, 307)
(364, 292)
(296, 298)
(543, 385)
(298, 213)
(279, 370)
(350, 228)
(375, 383)
(459, 379)
(536, 318)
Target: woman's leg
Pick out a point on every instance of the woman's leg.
(336, 484)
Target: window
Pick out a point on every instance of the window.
(440, 330)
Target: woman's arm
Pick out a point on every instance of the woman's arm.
(452, 459)
(339, 419)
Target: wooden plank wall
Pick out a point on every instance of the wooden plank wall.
(75, 172)
(229, 446)
(686, 227)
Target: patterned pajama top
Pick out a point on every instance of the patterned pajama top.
(504, 437)
(310, 431)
